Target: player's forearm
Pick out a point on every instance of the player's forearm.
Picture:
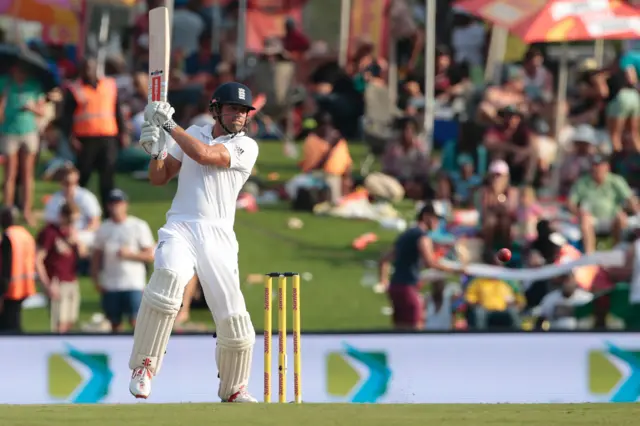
(158, 174)
(214, 155)
(191, 146)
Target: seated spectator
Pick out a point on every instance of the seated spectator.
(599, 200)
(557, 307)
(124, 245)
(140, 95)
(511, 141)
(203, 116)
(439, 306)
(492, 302)
(497, 205)
(450, 80)
(496, 98)
(443, 194)
(589, 105)
(363, 59)
(578, 161)
(90, 212)
(405, 167)
(529, 212)
(465, 180)
(58, 252)
(327, 151)
(412, 98)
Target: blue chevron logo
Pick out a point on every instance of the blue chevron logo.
(79, 378)
(614, 373)
(357, 376)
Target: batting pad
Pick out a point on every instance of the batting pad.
(234, 350)
(161, 302)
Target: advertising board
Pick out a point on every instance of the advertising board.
(371, 368)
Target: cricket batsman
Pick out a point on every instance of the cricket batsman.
(212, 164)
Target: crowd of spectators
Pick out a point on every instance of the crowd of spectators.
(506, 176)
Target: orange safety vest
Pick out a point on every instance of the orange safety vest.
(23, 268)
(95, 114)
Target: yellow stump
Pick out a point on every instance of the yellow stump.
(268, 285)
(297, 361)
(282, 339)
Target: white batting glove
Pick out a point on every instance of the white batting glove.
(153, 140)
(158, 113)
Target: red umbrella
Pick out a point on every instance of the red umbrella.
(559, 20)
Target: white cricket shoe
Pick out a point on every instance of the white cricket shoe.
(140, 385)
(241, 396)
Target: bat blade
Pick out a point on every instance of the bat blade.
(159, 53)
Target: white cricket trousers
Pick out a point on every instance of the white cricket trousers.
(209, 250)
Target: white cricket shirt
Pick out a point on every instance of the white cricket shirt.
(209, 193)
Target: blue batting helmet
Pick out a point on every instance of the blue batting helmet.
(232, 93)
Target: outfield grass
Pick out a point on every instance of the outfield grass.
(321, 415)
(333, 300)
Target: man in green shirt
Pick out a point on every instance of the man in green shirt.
(22, 99)
(599, 200)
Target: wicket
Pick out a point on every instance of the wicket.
(282, 335)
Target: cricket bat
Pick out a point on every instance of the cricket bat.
(159, 53)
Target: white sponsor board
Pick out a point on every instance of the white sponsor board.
(381, 368)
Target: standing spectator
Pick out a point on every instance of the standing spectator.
(187, 28)
(538, 79)
(58, 251)
(623, 110)
(88, 219)
(294, 40)
(22, 100)
(140, 37)
(92, 115)
(17, 271)
(412, 250)
(408, 36)
(124, 245)
(468, 39)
